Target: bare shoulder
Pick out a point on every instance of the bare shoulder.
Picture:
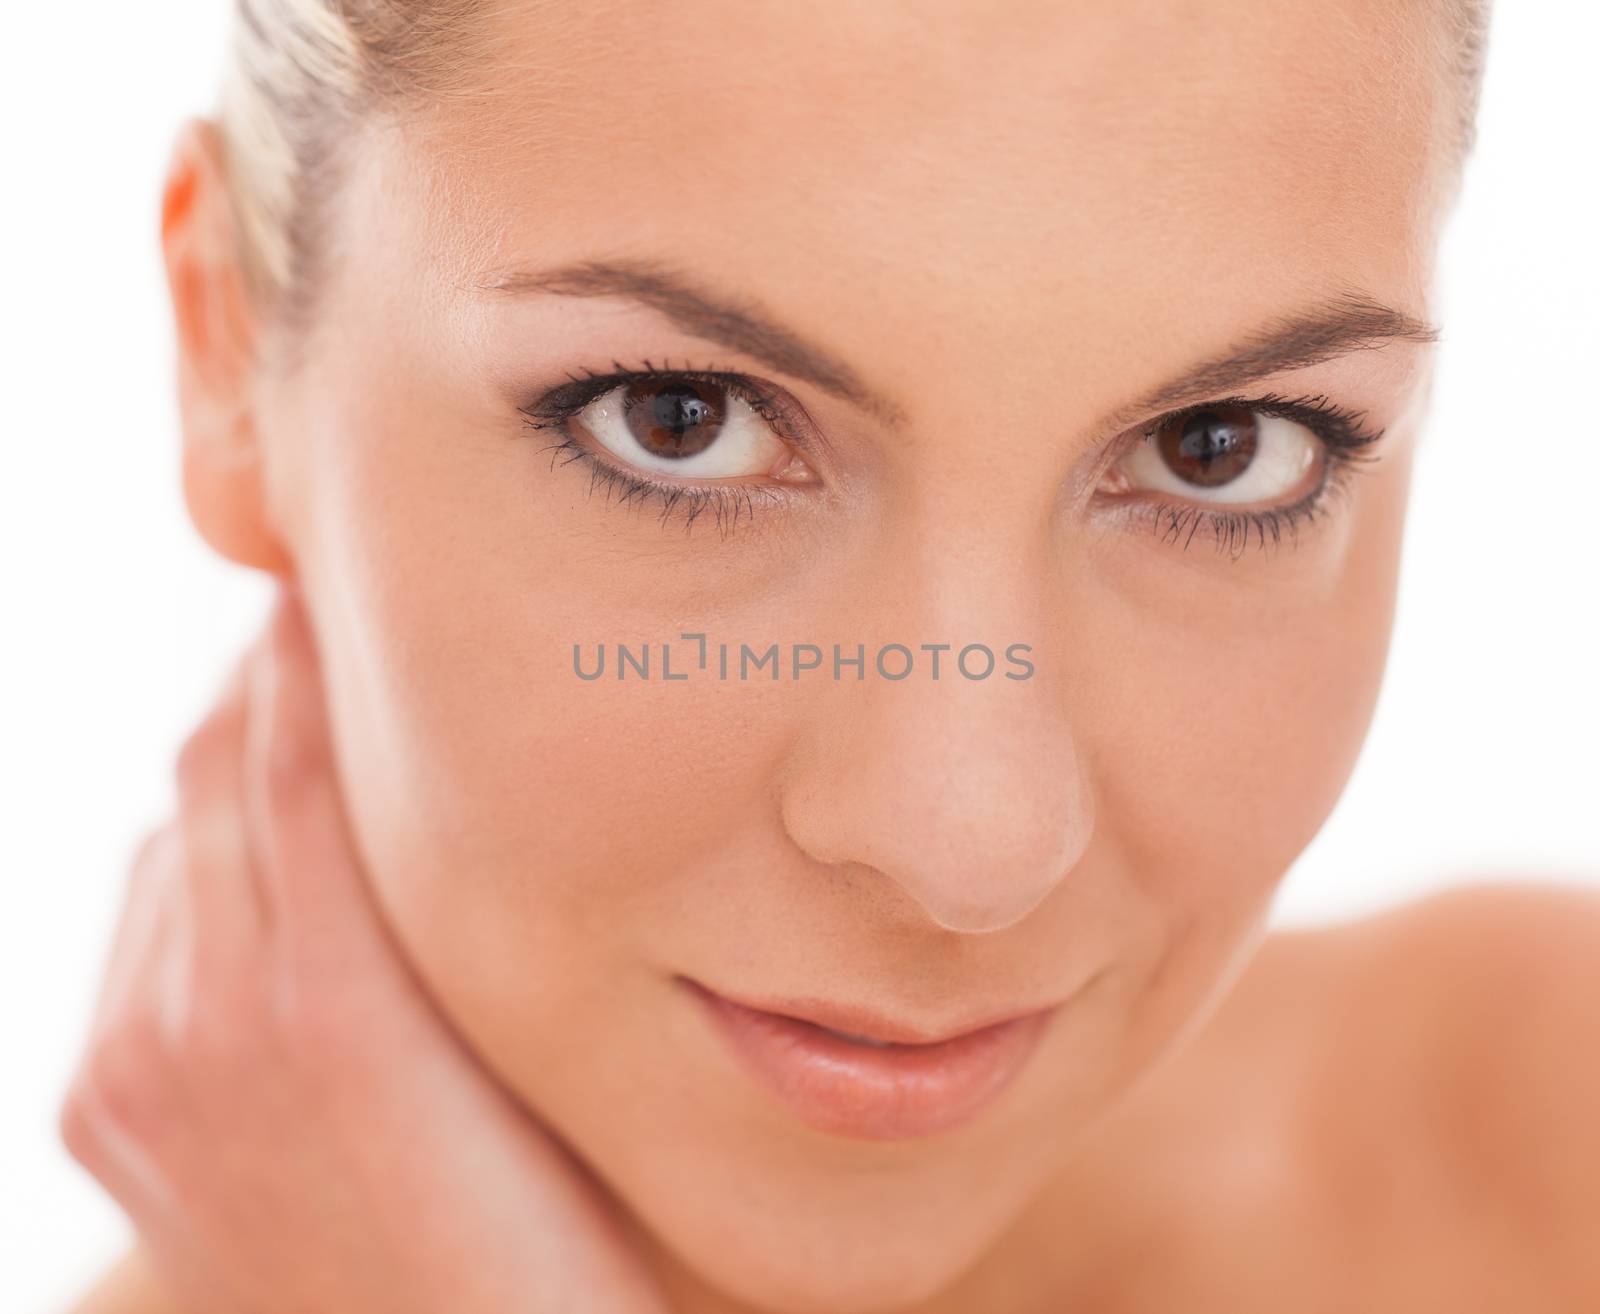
(1473, 1017)
(1481, 956)
(1506, 979)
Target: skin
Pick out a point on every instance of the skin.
(1009, 224)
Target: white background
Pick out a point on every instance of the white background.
(1484, 759)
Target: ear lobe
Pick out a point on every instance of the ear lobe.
(216, 332)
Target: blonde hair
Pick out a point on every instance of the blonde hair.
(300, 74)
(1469, 45)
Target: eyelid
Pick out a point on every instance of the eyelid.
(788, 418)
(1338, 426)
(1341, 430)
(687, 498)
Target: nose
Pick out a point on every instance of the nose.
(970, 795)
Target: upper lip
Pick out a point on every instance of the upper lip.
(859, 1020)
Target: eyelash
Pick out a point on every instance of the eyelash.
(1343, 435)
(560, 405)
(1340, 430)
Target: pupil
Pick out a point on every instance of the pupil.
(1211, 447)
(673, 420)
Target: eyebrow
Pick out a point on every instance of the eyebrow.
(1346, 322)
(1341, 324)
(739, 325)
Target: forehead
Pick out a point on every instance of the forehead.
(879, 167)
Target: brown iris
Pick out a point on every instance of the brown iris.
(1211, 447)
(676, 419)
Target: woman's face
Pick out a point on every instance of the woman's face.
(960, 261)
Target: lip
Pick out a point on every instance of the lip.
(916, 1084)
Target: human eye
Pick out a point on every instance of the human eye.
(691, 440)
(1243, 466)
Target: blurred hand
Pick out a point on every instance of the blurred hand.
(267, 1091)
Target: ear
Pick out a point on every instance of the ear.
(218, 370)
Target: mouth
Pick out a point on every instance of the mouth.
(857, 1074)
(859, 1040)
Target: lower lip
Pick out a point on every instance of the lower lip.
(892, 1092)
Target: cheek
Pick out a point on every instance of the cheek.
(1227, 724)
(526, 830)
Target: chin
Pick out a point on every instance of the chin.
(813, 1225)
(826, 1270)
